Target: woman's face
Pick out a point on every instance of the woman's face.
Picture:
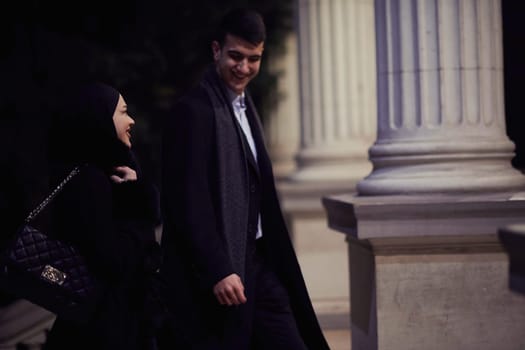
(123, 122)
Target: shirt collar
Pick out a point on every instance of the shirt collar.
(238, 101)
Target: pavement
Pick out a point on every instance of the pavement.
(336, 328)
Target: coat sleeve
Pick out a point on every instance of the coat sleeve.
(188, 192)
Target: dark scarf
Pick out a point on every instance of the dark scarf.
(232, 169)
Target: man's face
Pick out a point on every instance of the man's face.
(237, 61)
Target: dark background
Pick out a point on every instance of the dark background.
(514, 76)
(151, 51)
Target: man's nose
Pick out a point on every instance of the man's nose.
(243, 66)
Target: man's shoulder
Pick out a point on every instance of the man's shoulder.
(196, 95)
(194, 102)
(194, 105)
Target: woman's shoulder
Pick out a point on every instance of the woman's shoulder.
(90, 179)
(89, 172)
(85, 193)
(92, 170)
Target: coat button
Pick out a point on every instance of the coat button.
(253, 188)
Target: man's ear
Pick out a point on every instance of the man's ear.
(216, 49)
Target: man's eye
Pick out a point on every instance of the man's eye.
(254, 58)
(236, 56)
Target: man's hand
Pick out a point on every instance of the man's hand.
(122, 174)
(230, 290)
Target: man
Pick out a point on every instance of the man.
(234, 280)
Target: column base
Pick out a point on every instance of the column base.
(428, 272)
(318, 249)
(445, 166)
(343, 161)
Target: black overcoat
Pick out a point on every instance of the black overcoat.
(111, 224)
(113, 228)
(204, 184)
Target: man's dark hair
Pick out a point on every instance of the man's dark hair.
(243, 23)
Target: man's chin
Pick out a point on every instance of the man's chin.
(239, 86)
(238, 89)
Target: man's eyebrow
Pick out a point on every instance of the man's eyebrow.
(237, 53)
(240, 53)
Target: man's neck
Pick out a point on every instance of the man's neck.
(232, 94)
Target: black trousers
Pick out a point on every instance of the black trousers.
(274, 326)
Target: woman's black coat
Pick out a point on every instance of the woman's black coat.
(112, 225)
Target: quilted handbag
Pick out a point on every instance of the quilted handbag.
(49, 272)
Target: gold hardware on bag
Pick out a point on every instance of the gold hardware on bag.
(53, 275)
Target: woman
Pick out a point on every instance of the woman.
(109, 212)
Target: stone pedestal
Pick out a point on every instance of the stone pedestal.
(24, 325)
(429, 271)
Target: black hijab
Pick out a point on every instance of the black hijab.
(83, 130)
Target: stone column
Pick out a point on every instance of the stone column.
(337, 89)
(427, 268)
(282, 127)
(336, 100)
(440, 96)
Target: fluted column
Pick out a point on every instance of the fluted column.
(440, 100)
(337, 89)
(282, 126)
